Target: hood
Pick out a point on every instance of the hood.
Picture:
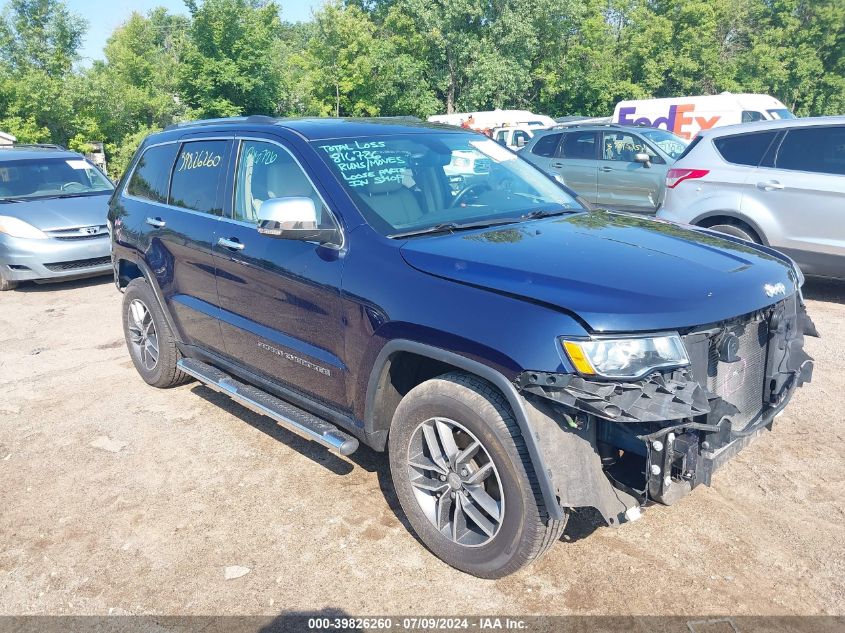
(617, 273)
(60, 213)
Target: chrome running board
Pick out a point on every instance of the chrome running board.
(291, 417)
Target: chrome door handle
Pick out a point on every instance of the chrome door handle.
(559, 165)
(156, 222)
(770, 185)
(231, 244)
(606, 168)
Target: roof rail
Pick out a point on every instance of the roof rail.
(252, 118)
(401, 117)
(587, 124)
(38, 146)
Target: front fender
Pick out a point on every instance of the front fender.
(518, 405)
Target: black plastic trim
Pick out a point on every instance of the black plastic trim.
(507, 388)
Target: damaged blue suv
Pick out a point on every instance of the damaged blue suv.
(426, 292)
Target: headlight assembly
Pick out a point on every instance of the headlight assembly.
(629, 357)
(14, 227)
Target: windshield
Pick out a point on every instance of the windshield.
(672, 145)
(407, 183)
(781, 113)
(50, 177)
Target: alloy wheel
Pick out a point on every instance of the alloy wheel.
(455, 482)
(142, 334)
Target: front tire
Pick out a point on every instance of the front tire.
(464, 479)
(149, 338)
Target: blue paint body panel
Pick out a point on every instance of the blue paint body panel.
(314, 318)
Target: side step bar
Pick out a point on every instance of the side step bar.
(287, 415)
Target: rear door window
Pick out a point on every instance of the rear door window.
(198, 176)
(578, 145)
(745, 149)
(546, 145)
(152, 173)
(815, 149)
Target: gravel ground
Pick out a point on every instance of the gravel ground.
(119, 498)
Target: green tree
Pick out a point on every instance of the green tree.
(39, 40)
(137, 86)
(336, 67)
(797, 53)
(40, 35)
(230, 60)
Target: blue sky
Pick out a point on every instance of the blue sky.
(104, 16)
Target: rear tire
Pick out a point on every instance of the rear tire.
(489, 529)
(6, 284)
(149, 338)
(737, 228)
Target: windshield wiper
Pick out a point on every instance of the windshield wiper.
(78, 194)
(446, 227)
(5, 200)
(539, 213)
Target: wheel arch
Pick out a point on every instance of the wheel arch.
(710, 216)
(128, 268)
(385, 390)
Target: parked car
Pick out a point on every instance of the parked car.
(515, 354)
(687, 116)
(513, 136)
(53, 207)
(611, 166)
(780, 183)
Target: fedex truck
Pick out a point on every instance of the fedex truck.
(687, 116)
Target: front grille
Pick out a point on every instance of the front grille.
(58, 267)
(741, 382)
(79, 233)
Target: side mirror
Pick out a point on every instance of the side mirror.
(520, 141)
(293, 219)
(643, 158)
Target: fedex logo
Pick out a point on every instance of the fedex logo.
(679, 120)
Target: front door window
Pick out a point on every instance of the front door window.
(265, 171)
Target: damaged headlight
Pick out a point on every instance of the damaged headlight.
(631, 358)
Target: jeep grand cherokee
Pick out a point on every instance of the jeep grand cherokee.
(516, 354)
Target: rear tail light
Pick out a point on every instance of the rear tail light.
(674, 177)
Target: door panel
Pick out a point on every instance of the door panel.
(576, 163)
(280, 301)
(177, 245)
(624, 183)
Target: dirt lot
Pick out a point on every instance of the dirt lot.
(119, 498)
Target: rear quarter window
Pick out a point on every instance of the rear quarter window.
(152, 173)
(689, 147)
(815, 149)
(745, 149)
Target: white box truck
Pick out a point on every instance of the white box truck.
(687, 116)
(490, 119)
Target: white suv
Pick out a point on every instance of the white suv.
(780, 183)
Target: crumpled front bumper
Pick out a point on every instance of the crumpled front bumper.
(616, 446)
